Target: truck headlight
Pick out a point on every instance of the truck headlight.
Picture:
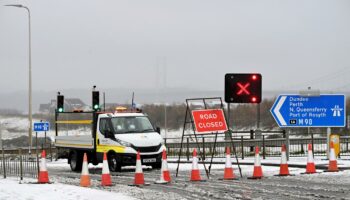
(126, 144)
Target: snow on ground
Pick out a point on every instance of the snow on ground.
(246, 169)
(13, 189)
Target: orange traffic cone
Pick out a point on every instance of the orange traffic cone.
(85, 177)
(310, 166)
(106, 176)
(195, 174)
(139, 178)
(165, 174)
(284, 171)
(333, 166)
(43, 174)
(257, 173)
(228, 173)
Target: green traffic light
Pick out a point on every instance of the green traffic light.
(96, 106)
(60, 109)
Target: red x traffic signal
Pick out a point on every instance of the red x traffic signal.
(243, 88)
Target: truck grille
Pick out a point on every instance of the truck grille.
(147, 149)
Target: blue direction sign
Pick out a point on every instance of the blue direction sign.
(301, 111)
(41, 126)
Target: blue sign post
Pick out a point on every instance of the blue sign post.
(303, 111)
(41, 126)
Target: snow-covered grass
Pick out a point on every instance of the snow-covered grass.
(14, 189)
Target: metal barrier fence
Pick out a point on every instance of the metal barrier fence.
(19, 163)
(245, 147)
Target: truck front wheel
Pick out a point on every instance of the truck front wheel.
(114, 166)
(75, 161)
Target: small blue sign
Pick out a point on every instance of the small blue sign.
(41, 126)
(303, 111)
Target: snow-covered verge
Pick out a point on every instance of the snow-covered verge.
(12, 189)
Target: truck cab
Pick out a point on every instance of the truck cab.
(120, 135)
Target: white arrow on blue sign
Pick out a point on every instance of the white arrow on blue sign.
(41, 126)
(301, 111)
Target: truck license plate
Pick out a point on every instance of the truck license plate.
(149, 160)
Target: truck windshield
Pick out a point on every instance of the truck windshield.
(139, 124)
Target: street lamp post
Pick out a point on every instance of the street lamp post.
(30, 75)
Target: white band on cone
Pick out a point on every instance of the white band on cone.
(42, 166)
(283, 158)
(85, 170)
(105, 168)
(332, 154)
(164, 166)
(257, 160)
(228, 163)
(310, 158)
(138, 166)
(194, 163)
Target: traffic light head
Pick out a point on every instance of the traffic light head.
(60, 103)
(243, 88)
(96, 100)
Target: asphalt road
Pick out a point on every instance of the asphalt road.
(316, 186)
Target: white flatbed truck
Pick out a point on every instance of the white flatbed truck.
(120, 135)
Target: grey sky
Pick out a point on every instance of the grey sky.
(115, 44)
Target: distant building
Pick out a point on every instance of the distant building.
(69, 105)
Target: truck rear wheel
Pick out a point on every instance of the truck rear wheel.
(114, 166)
(75, 161)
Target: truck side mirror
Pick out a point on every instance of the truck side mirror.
(158, 130)
(109, 134)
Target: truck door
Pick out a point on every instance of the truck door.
(105, 137)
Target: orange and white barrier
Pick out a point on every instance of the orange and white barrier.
(257, 173)
(85, 177)
(165, 174)
(139, 177)
(333, 166)
(43, 174)
(284, 171)
(106, 176)
(228, 173)
(195, 174)
(310, 165)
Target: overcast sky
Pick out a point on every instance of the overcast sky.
(185, 43)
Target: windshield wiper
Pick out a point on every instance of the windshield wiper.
(148, 130)
(131, 132)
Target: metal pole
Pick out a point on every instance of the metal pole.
(30, 117)
(165, 121)
(228, 115)
(263, 146)
(30, 82)
(104, 102)
(242, 147)
(287, 143)
(36, 150)
(258, 116)
(3, 162)
(213, 151)
(328, 137)
(312, 144)
(182, 138)
(21, 164)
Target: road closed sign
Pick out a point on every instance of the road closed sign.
(210, 120)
